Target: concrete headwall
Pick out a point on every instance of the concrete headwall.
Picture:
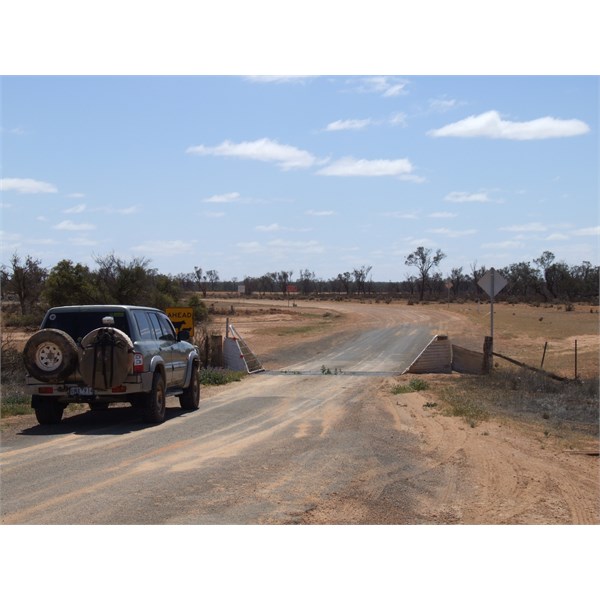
(466, 361)
(232, 355)
(435, 358)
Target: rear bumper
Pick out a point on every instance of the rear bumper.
(78, 391)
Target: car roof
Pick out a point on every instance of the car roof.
(100, 308)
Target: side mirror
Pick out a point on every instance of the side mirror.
(183, 336)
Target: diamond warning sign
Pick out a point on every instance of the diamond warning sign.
(182, 318)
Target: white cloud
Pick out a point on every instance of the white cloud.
(526, 227)
(556, 237)
(74, 210)
(249, 247)
(388, 87)
(352, 124)
(222, 198)
(279, 78)
(9, 238)
(76, 195)
(452, 233)
(265, 150)
(400, 215)
(461, 197)
(398, 119)
(128, 210)
(443, 215)
(309, 247)
(42, 241)
(352, 167)
(165, 247)
(588, 231)
(320, 213)
(503, 245)
(70, 226)
(269, 228)
(82, 241)
(491, 125)
(442, 104)
(27, 186)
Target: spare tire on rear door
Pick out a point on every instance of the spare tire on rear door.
(106, 358)
(50, 355)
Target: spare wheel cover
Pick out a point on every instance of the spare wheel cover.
(106, 358)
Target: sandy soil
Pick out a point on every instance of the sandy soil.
(503, 471)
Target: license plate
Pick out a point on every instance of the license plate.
(81, 391)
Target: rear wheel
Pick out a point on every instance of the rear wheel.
(155, 403)
(48, 410)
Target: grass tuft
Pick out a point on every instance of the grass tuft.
(414, 385)
(213, 376)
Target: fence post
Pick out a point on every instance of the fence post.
(216, 350)
(544, 355)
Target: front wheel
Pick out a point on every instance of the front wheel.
(190, 399)
(48, 410)
(155, 402)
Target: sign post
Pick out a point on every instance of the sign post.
(448, 287)
(491, 283)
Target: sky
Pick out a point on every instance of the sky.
(252, 174)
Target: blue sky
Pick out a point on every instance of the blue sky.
(247, 175)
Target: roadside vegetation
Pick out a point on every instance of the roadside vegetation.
(28, 289)
(523, 395)
(218, 376)
(414, 385)
(13, 399)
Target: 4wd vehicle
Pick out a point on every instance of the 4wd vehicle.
(100, 354)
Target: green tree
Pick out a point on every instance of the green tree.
(69, 283)
(25, 280)
(424, 260)
(121, 282)
(360, 278)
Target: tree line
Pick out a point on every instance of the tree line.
(116, 281)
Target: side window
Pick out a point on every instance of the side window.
(143, 325)
(167, 327)
(155, 326)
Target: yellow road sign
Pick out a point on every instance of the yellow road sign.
(182, 318)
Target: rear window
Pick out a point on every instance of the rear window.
(79, 324)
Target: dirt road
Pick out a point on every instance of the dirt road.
(281, 448)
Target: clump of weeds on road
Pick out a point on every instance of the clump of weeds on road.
(414, 385)
(327, 371)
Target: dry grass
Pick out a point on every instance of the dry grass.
(520, 331)
(522, 395)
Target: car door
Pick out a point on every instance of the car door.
(178, 351)
(165, 340)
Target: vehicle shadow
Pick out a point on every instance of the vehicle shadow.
(112, 421)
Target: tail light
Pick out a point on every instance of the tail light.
(138, 362)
